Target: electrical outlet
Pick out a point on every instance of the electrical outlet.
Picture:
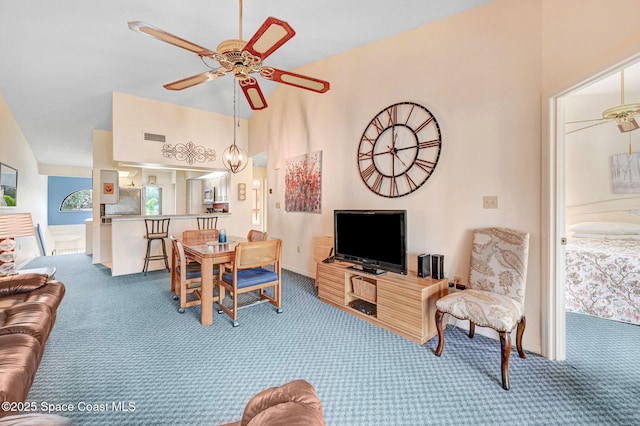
(457, 279)
(298, 248)
(490, 202)
(277, 204)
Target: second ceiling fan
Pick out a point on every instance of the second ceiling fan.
(623, 115)
(240, 58)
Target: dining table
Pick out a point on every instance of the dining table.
(209, 254)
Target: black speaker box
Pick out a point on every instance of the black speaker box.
(437, 266)
(424, 265)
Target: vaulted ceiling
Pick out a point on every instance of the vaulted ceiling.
(61, 60)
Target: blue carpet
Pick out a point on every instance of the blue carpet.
(121, 340)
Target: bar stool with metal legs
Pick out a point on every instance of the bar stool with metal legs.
(157, 229)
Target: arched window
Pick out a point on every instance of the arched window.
(81, 200)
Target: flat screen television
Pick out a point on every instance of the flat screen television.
(375, 240)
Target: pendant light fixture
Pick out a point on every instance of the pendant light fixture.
(234, 158)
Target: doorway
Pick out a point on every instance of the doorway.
(258, 192)
(578, 197)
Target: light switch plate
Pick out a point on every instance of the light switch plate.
(490, 202)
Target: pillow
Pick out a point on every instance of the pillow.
(634, 237)
(605, 228)
(22, 283)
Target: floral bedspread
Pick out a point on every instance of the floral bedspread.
(603, 278)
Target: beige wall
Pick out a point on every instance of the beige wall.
(482, 86)
(133, 116)
(581, 38)
(487, 75)
(32, 187)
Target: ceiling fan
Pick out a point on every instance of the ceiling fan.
(623, 114)
(240, 58)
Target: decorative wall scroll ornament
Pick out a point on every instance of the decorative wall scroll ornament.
(189, 152)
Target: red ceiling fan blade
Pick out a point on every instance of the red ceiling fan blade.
(293, 79)
(270, 36)
(193, 80)
(150, 30)
(253, 93)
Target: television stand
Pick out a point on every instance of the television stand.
(405, 304)
(371, 271)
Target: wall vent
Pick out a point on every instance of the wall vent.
(152, 137)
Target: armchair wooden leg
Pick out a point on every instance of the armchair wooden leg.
(521, 326)
(472, 329)
(439, 316)
(505, 344)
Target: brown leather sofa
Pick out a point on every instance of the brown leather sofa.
(292, 404)
(28, 307)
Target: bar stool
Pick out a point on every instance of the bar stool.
(207, 222)
(157, 229)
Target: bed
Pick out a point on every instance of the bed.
(603, 270)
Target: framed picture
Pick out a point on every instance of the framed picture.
(242, 191)
(625, 173)
(108, 186)
(8, 186)
(303, 179)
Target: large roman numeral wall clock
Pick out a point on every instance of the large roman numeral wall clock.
(399, 149)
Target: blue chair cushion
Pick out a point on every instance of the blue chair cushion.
(250, 277)
(193, 270)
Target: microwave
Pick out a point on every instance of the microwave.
(209, 195)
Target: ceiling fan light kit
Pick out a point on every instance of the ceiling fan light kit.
(240, 58)
(628, 126)
(623, 114)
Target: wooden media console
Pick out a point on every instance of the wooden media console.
(405, 304)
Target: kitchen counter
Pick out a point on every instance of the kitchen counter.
(112, 218)
(128, 245)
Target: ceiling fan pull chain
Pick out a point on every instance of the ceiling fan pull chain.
(621, 86)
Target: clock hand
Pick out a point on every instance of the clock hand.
(406, 147)
(399, 159)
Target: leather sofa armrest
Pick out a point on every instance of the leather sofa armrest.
(21, 283)
(294, 403)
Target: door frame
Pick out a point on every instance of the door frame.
(552, 309)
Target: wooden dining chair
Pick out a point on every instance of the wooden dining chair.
(252, 235)
(186, 277)
(200, 236)
(207, 222)
(495, 294)
(255, 235)
(256, 266)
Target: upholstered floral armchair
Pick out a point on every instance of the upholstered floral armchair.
(496, 289)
